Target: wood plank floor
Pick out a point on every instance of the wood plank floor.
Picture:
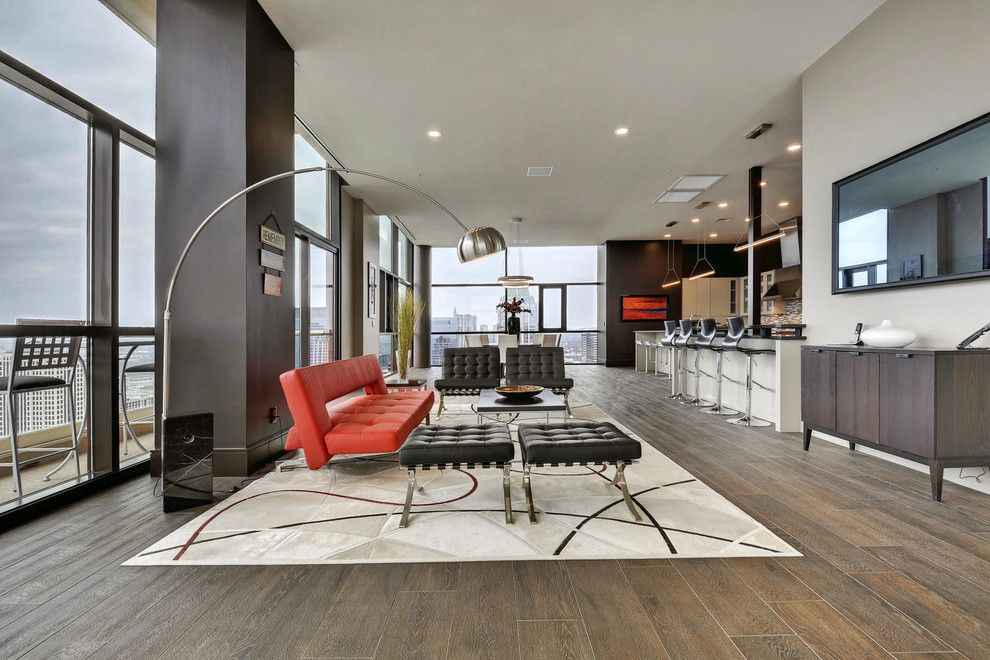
(886, 572)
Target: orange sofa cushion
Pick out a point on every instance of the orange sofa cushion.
(374, 423)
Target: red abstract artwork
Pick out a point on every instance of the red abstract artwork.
(644, 308)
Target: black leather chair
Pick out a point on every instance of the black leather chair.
(732, 342)
(539, 365)
(467, 371)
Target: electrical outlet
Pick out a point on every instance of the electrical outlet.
(273, 414)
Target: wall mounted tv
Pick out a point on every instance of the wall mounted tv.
(916, 218)
(645, 307)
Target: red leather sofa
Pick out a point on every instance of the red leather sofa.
(377, 422)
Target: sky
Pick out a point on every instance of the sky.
(43, 159)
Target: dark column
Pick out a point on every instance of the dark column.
(754, 265)
(224, 120)
(422, 279)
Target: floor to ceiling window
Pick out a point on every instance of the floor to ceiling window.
(395, 258)
(77, 103)
(563, 300)
(316, 247)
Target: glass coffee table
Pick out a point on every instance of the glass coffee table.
(491, 402)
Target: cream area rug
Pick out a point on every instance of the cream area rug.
(348, 512)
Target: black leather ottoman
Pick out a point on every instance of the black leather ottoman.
(577, 443)
(479, 446)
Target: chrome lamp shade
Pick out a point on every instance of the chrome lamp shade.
(478, 243)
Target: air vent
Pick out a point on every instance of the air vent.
(677, 196)
(539, 171)
(696, 181)
(702, 205)
(671, 223)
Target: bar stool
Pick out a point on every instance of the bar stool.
(732, 343)
(672, 330)
(33, 355)
(681, 343)
(647, 347)
(718, 350)
(141, 369)
(664, 344)
(705, 341)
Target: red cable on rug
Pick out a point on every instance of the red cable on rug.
(199, 530)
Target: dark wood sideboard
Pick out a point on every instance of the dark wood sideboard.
(927, 404)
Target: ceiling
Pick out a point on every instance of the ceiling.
(512, 84)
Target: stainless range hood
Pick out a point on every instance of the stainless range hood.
(784, 290)
(786, 284)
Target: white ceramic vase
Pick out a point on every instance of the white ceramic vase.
(886, 335)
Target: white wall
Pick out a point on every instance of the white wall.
(912, 70)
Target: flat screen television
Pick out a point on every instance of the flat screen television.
(644, 307)
(918, 217)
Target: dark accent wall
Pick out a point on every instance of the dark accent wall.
(225, 100)
(633, 267)
(422, 278)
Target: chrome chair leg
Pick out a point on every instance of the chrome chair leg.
(410, 488)
(747, 419)
(530, 509)
(675, 364)
(620, 481)
(507, 493)
(718, 408)
(687, 399)
(440, 407)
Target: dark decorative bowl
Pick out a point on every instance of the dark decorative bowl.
(519, 391)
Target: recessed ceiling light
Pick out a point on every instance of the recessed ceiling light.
(763, 184)
(622, 130)
(722, 205)
(433, 134)
(695, 219)
(544, 170)
(666, 235)
(794, 147)
(712, 235)
(783, 204)
(746, 220)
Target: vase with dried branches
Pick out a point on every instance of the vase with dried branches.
(406, 314)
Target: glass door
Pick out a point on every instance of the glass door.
(315, 302)
(552, 304)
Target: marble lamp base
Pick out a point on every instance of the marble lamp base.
(187, 461)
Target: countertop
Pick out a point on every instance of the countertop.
(914, 350)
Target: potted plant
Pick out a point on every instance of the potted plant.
(408, 310)
(512, 308)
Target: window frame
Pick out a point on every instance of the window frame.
(101, 328)
(540, 325)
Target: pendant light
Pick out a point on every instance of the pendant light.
(515, 281)
(672, 278)
(742, 245)
(702, 267)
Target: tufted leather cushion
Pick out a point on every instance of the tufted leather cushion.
(536, 365)
(576, 442)
(309, 389)
(442, 445)
(381, 421)
(472, 367)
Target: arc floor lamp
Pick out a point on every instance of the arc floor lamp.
(474, 244)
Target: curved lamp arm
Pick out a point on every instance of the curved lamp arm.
(167, 316)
